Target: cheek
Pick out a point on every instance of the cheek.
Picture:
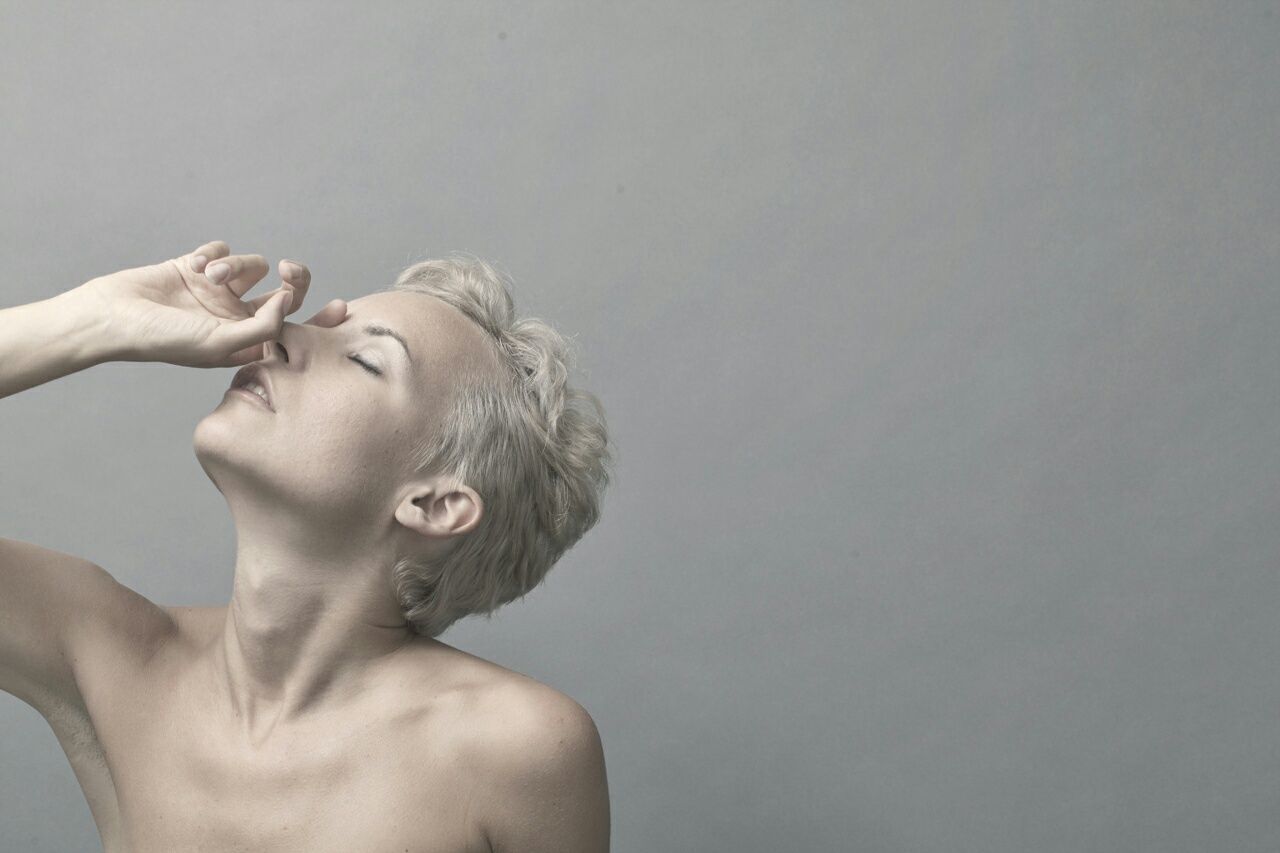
(354, 434)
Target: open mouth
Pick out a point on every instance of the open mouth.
(252, 381)
(251, 396)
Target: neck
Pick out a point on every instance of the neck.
(306, 626)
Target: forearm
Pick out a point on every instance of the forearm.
(45, 340)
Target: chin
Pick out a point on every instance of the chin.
(219, 444)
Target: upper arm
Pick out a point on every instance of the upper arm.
(547, 781)
(54, 609)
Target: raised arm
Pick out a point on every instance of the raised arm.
(170, 311)
(56, 608)
(51, 603)
(45, 340)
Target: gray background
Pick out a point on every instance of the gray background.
(937, 340)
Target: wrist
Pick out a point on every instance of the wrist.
(85, 326)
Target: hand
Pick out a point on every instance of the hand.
(173, 312)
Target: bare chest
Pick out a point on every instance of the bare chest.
(162, 773)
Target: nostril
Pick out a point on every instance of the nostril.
(284, 353)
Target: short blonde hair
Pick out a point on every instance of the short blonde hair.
(534, 448)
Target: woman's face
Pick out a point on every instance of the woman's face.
(350, 403)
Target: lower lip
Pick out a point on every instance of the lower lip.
(249, 395)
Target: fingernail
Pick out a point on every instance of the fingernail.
(217, 272)
(197, 261)
(294, 269)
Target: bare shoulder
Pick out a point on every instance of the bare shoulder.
(531, 714)
(538, 760)
(511, 705)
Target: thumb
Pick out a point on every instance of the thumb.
(264, 325)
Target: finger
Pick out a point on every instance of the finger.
(333, 313)
(244, 356)
(298, 276)
(199, 259)
(231, 336)
(330, 315)
(241, 272)
(241, 357)
(258, 301)
(295, 277)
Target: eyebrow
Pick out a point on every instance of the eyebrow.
(375, 329)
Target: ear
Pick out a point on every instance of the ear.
(440, 509)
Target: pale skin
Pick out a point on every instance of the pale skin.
(304, 714)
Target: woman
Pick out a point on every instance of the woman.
(391, 465)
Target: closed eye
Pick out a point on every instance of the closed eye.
(366, 365)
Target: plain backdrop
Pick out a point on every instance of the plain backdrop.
(937, 341)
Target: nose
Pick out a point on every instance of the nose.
(295, 338)
(282, 347)
(273, 350)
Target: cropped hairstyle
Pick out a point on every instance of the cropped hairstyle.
(534, 448)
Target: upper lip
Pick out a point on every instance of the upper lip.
(255, 372)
